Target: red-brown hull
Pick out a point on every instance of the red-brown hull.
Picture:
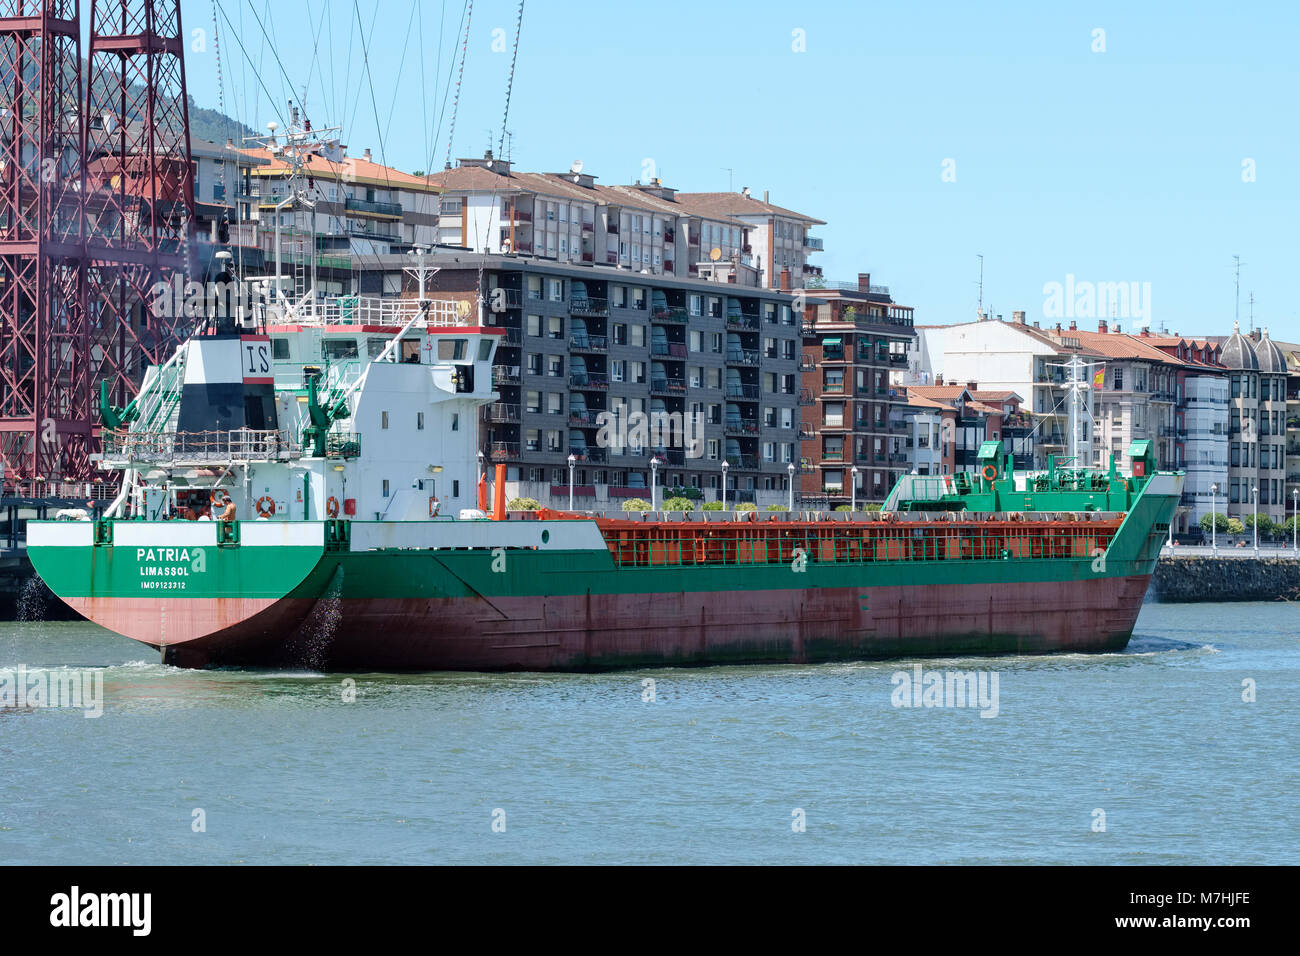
(618, 631)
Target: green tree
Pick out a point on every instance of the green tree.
(777, 508)
(679, 504)
(1266, 526)
(636, 504)
(1235, 526)
(1219, 521)
(711, 506)
(747, 506)
(523, 504)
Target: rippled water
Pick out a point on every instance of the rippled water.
(584, 770)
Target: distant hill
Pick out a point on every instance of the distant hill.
(216, 127)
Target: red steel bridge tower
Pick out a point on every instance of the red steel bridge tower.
(96, 209)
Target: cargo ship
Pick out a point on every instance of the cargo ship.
(282, 489)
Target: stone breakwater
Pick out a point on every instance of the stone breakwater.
(1186, 579)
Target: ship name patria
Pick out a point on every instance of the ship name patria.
(168, 562)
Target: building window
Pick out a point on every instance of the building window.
(383, 419)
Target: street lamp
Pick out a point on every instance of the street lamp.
(1214, 522)
(1295, 521)
(654, 483)
(853, 489)
(790, 484)
(725, 466)
(1254, 496)
(573, 460)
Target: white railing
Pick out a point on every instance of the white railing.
(240, 444)
(373, 310)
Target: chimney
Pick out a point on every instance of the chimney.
(744, 191)
(1018, 318)
(785, 280)
(1117, 329)
(366, 154)
(864, 281)
(1058, 328)
(938, 379)
(999, 316)
(764, 195)
(972, 386)
(1145, 333)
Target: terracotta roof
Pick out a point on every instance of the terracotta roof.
(942, 393)
(919, 402)
(984, 395)
(351, 169)
(713, 205)
(1121, 345)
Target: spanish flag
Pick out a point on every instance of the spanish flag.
(1099, 377)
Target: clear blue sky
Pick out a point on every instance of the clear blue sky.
(1123, 165)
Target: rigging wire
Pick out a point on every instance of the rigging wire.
(455, 105)
(446, 92)
(510, 80)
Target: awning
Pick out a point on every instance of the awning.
(831, 340)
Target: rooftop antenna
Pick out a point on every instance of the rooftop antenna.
(729, 172)
(1236, 309)
(980, 313)
(510, 145)
(1251, 299)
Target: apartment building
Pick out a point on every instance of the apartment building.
(640, 379)
(362, 210)
(1257, 425)
(855, 347)
(488, 206)
(948, 423)
(777, 237)
(1016, 357)
(1135, 389)
(1201, 425)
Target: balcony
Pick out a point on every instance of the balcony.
(673, 350)
(833, 388)
(742, 391)
(505, 375)
(501, 413)
(742, 463)
(587, 418)
(806, 363)
(501, 450)
(586, 380)
(588, 343)
(897, 358)
(743, 357)
(673, 313)
(667, 386)
(589, 306)
(738, 320)
(813, 242)
(806, 431)
(513, 339)
(806, 396)
(374, 208)
(596, 455)
(833, 455)
(741, 426)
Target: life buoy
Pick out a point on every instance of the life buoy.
(265, 506)
(332, 507)
(434, 505)
(989, 472)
